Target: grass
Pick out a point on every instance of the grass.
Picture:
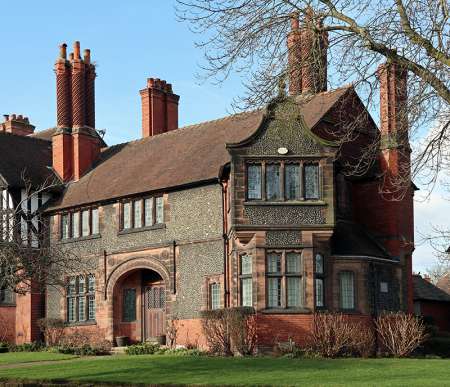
(28, 357)
(241, 371)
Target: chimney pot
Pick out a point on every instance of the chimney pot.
(13, 117)
(6, 117)
(76, 50)
(63, 51)
(87, 56)
(71, 56)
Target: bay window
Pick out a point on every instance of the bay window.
(283, 181)
(284, 279)
(141, 213)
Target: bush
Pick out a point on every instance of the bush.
(144, 349)
(439, 346)
(52, 329)
(82, 344)
(4, 347)
(399, 333)
(230, 330)
(334, 334)
(27, 347)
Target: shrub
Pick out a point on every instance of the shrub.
(172, 330)
(230, 329)
(439, 346)
(3, 347)
(82, 344)
(52, 329)
(27, 347)
(399, 333)
(334, 334)
(143, 349)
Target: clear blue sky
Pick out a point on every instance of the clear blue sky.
(130, 41)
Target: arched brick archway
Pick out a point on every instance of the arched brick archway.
(122, 270)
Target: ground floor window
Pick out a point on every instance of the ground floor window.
(347, 290)
(129, 305)
(284, 279)
(81, 298)
(246, 282)
(214, 292)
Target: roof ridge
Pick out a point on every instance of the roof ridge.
(27, 137)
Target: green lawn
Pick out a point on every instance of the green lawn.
(26, 357)
(240, 371)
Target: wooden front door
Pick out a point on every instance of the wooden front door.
(154, 311)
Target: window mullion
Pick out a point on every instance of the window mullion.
(282, 181)
(302, 181)
(263, 180)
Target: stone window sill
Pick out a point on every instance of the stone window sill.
(286, 311)
(7, 304)
(142, 229)
(81, 323)
(286, 203)
(80, 239)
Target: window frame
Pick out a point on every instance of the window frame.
(245, 277)
(283, 275)
(141, 202)
(73, 299)
(78, 212)
(341, 307)
(212, 294)
(302, 164)
(126, 319)
(319, 276)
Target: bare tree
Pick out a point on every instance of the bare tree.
(28, 261)
(249, 37)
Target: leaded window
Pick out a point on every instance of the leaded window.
(81, 298)
(76, 224)
(254, 183)
(273, 182)
(311, 181)
(7, 216)
(246, 272)
(141, 213)
(347, 290)
(284, 279)
(129, 305)
(292, 181)
(319, 272)
(214, 291)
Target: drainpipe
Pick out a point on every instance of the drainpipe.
(104, 273)
(174, 267)
(225, 245)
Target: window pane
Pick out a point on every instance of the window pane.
(76, 225)
(312, 181)
(246, 284)
(127, 215)
(274, 263)
(71, 288)
(81, 285)
(293, 263)
(95, 221)
(91, 307)
(254, 182)
(81, 308)
(129, 305)
(292, 181)
(71, 315)
(148, 208)
(91, 283)
(347, 290)
(319, 264)
(274, 292)
(319, 292)
(215, 296)
(293, 292)
(137, 213)
(85, 230)
(246, 264)
(273, 191)
(65, 226)
(159, 210)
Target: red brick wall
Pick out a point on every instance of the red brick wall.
(439, 311)
(190, 333)
(8, 323)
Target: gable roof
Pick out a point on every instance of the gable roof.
(425, 290)
(185, 156)
(25, 157)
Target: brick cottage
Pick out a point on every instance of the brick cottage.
(253, 209)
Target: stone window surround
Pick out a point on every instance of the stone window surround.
(321, 276)
(282, 162)
(87, 293)
(206, 290)
(133, 229)
(80, 211)
(284, 275)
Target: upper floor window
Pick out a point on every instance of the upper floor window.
(284, 279)
(81, 298)
(319, 272)
(284, 180)
(141, 213)
(347, 290)
(76, 224)
(246, 281)
(6, 216)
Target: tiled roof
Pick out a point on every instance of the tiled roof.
(25, 158)
(444, 283)
(425, 290)
(44, 134)
(184, 156)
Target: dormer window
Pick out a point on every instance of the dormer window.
(142, 213)
(283, 181)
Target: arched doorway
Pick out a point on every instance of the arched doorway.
(139, 305)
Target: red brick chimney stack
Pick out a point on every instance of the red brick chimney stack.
(16, 124)
(159, 108)
(76, 144)
(307, 55)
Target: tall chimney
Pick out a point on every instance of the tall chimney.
(159, 108)
(78, 88)
(63, 89)
(90, 89)
(307, 55)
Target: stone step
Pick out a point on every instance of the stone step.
(118, 350)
